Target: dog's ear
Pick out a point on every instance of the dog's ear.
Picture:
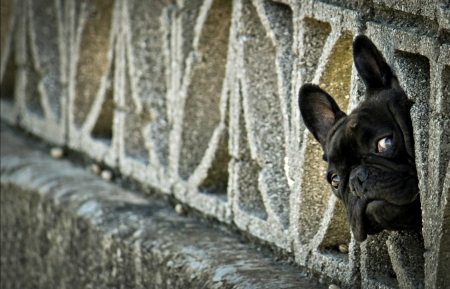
(371, 65)
(319, 111)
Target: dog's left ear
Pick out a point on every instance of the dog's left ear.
(319, 111)
(371, 65)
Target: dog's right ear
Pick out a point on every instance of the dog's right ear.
(371, 65)
(319, 111)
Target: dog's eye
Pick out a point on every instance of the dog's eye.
(335, 179)
(384, 144)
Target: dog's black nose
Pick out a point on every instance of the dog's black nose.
(357, 179)
(362, 176)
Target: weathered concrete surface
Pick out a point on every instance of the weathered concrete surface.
(63, 227)
(198, 99)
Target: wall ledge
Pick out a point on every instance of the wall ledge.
(64, 227)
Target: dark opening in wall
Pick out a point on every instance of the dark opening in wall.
(6, 13)
(103, 128)
(202, 108)
(336, 77)
(93, 59)
(316, 192)
(315, 34)
(8, 82)
(216, 182)
(337, 233)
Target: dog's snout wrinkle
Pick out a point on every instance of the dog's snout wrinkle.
(385, 164)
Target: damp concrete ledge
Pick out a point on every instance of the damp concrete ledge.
(64, 227)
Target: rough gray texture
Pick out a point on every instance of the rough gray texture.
(198, 99)
(63, 227)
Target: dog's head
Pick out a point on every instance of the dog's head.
(370, 152)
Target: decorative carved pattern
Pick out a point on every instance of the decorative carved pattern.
(198, 99)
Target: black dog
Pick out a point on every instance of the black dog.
(370, 152)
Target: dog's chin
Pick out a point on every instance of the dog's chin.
(372, 217)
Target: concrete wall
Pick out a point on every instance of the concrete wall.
(198, 99)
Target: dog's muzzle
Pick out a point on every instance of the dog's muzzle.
(382, 198)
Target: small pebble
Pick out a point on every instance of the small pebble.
(96, 169)
(180, 210)
(106, 175)
(343, 248)
(57, 152)
(170, 264)
(332, 286)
